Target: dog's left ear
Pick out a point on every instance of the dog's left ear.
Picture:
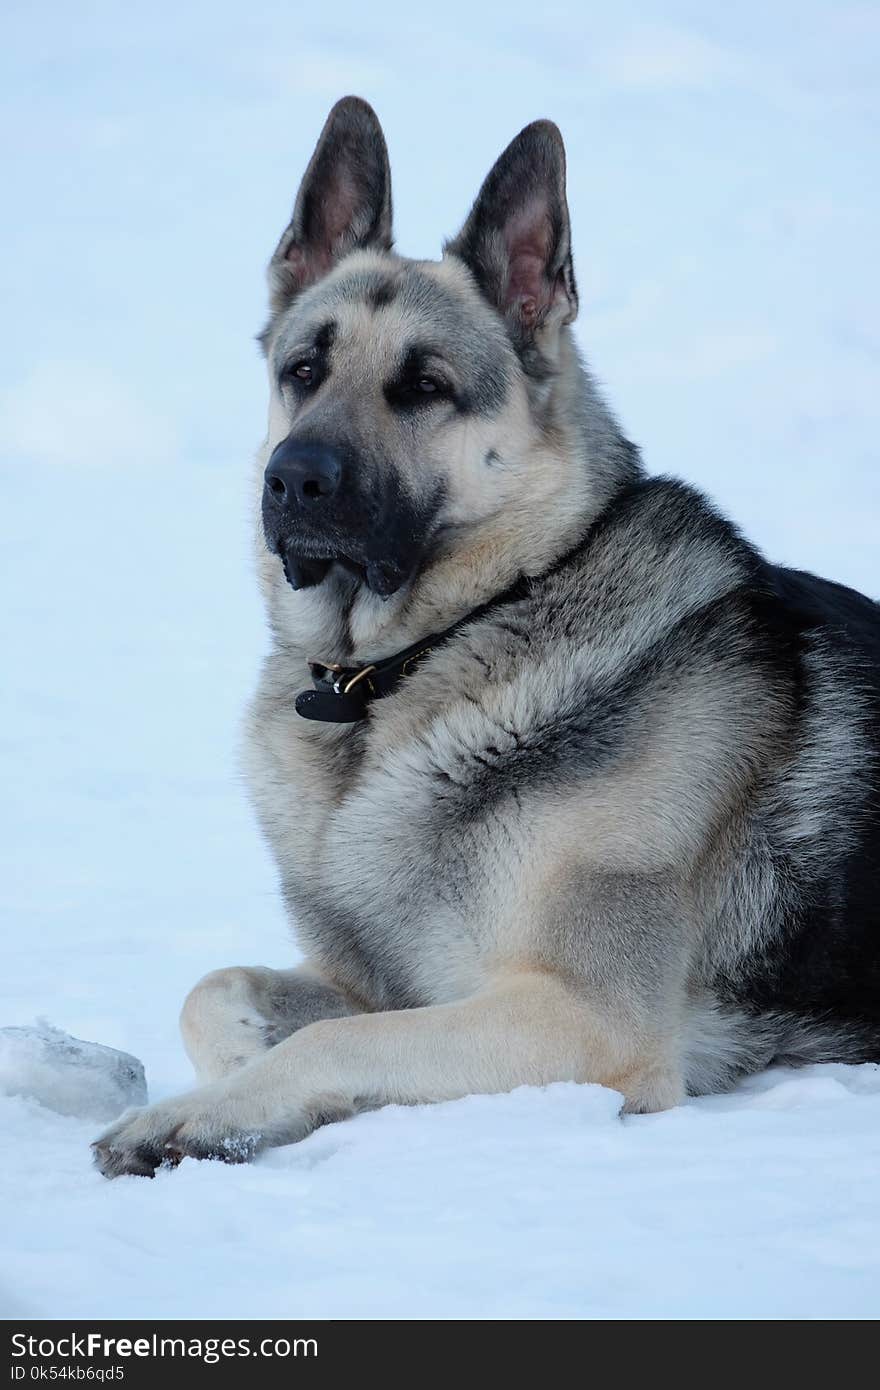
(517, 238)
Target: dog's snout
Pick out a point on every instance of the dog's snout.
(303, 474)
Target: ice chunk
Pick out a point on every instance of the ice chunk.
(68, 1075)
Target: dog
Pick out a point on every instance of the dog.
(564, 780)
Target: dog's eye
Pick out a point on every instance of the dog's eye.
(411, 392)
(304, 373)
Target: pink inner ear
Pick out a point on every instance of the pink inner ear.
(337, 212)
(528, 238)
(339, 208)
(307, 264)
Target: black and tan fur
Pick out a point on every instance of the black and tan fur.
(623, 829)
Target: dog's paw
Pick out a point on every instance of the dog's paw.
(204, 1124)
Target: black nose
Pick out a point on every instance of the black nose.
(303, 473)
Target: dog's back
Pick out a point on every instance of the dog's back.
(825, 961)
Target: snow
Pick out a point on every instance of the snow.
(725, 235)
(538, 1204)
(67, 1074)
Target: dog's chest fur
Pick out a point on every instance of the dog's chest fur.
(544, 744)
(387, 863)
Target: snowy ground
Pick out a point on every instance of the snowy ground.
(726, 235)
(532, 1205)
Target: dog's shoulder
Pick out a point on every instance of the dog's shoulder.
(646, 617)
(660, 560)
(661, 525)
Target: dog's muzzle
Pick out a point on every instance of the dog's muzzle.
(319, 509)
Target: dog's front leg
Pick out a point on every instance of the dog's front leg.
(526, 1028)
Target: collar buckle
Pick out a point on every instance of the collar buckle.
(362, 674)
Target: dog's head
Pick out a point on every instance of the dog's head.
(419, 409)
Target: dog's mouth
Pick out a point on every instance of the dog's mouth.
(382, 577)
(381, 542)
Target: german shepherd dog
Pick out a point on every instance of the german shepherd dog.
(563, 779)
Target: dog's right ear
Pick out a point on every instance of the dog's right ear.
(344, 202)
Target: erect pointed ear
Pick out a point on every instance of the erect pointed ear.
(517, 238)
(344, 202)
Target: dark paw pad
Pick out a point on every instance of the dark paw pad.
(116, 1162)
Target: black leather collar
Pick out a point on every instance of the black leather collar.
(342, 694)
